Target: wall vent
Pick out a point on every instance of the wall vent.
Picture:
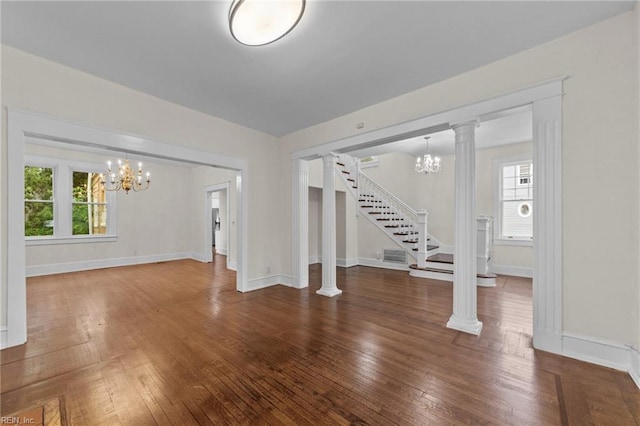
(394, 256)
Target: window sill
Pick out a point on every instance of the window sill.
(79, 239)
(510, 242)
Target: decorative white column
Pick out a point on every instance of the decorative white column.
(329, 286)
(547, 224)
(300, 246)
(422, 238)
(465, 308)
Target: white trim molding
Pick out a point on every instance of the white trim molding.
(634, 370)
(547, 226)
(341, 263)
(596, 351)
(3, 337)
(514, 271)
(377, 263)
(269, 281)
(300, 231)
(25, 124)
(87, 265)
(603, 352)
(207, 253)
(221, 251)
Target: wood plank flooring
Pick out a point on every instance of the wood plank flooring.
(174, 343)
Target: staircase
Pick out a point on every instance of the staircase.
(408, 227)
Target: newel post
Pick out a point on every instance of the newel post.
(422, 238)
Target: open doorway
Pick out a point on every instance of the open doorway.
(219, 223)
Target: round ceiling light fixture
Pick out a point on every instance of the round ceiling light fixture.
(260, 22)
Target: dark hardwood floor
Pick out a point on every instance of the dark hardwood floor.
(174, 343)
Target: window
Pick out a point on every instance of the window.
(514, 210)
(89, 211)
(38, 201)
(65, 202)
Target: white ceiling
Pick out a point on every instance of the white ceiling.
(343, 56)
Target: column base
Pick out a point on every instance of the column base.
(329, 292)
(472, 326)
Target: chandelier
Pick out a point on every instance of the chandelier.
(427, 164)
(125, 178)
(260, 22)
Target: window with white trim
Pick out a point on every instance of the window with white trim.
(514, 209)
(64, 201)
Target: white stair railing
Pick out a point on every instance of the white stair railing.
(401, 221)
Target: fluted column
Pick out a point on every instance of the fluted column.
(329, 285)
(464, 317)
(547, 220)
(300, 177)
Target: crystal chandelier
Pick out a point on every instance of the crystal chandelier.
(427, 164)
(125, 178)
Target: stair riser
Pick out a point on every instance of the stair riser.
(439, 265)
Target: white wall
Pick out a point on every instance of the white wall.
(315, 224)
(600, 160)
(39, 85)
(140, 216)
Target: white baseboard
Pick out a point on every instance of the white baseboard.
(271, 280)
(377, 263)
(199, 257)
(60, 268)
(231, 265)
(343, 263)
(634, 371)
(222, 251)
(3, 337)
(346, 263)
(596, 351)
(514, 271)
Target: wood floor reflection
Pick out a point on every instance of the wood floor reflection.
(174, 343)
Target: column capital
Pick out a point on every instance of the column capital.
(473, 122)
(329, 160)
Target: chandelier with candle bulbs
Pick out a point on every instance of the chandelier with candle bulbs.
(427, 164)
(125, 178)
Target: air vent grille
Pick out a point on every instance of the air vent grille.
(394, 256)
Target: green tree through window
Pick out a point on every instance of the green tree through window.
(38, 201)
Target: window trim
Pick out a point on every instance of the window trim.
(63, 202)
(498, 164)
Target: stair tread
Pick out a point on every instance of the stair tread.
(441, 258)
(346, 172)
(339, 163)
(429, 247)
(446, 271)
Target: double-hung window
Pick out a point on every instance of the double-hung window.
(64, 202)
(38, 201)
(514, 200)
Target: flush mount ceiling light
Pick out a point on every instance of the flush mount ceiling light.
(260, 22)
